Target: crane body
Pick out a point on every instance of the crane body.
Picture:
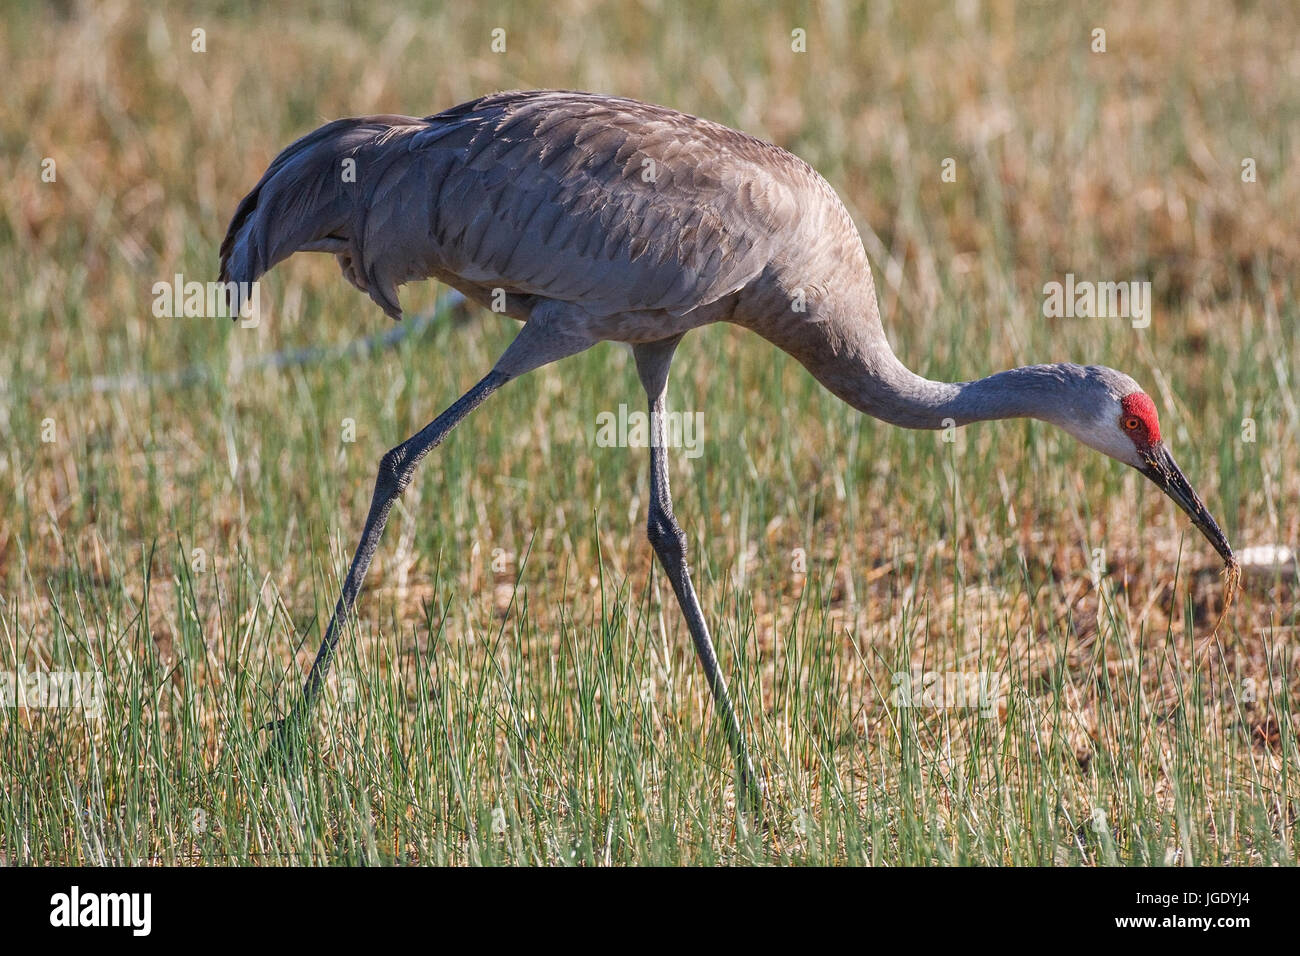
(594, 218)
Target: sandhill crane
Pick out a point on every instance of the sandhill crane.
(600, 218)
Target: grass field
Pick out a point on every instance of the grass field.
(519, 686)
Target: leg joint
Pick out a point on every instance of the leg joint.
(394, 475)
(666, 536)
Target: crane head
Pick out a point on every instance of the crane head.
(1123, 424)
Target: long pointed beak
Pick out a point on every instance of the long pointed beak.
(1161, 468)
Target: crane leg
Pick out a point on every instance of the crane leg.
(539, 342)
(669, 542)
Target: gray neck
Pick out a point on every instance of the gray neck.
(884, 388)
(846, 350)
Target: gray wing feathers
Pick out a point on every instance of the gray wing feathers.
(300, 198)
(612, 203)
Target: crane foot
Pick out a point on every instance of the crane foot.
(285, 745)
(751, 791)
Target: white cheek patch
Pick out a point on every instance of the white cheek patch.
(1106, 436)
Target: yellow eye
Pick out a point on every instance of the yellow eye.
(1132, 423)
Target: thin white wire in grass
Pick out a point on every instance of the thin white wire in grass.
(199, 373)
